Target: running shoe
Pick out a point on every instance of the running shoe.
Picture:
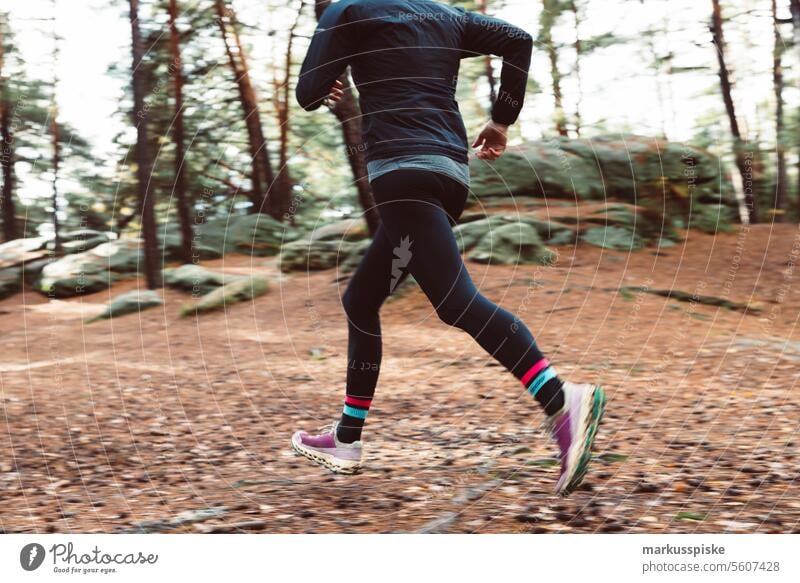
(574, 429)
(326, 450)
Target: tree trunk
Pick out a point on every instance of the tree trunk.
(6, 155)
(179, 187)
(794, 5)
(55, 137)
(578, 53)
(777, 81)
(487, 60)
(143, 172)
(266, 196)
(725, 86)
(282, 102)
(7, 160)
(550, 12)
(348, 113)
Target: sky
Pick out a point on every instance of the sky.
(618, 88)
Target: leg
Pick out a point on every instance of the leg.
(368, 288)
(412, 206)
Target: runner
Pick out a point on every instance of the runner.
(404, 57)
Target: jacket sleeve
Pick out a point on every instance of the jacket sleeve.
(327, 57)
(485, 35)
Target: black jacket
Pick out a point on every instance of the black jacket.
(404, 56)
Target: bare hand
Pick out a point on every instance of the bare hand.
(491, 141)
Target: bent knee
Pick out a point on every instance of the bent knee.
(453, 315)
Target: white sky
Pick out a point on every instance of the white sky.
(618, 85)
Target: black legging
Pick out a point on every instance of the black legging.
(417, 210)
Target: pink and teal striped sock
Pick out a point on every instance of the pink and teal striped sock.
(353, 418)
(543, 383)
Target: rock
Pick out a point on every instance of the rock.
(613, 238)
(231, 293)
(18, 251)
(256, 234)
(344, 230)
(80, 241)
(81, 234)
(672, 179)
(10, 281)
(90, 271)
(195, 279)
(129, 303)
(308, 255)
(171, 244)
(515, 243)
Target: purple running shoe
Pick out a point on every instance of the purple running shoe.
(326, 450)
(574, 428)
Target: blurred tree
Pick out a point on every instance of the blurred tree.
(179, 186)
(267, 195)
(551, 10)
(281, 101)
(725, 86)
(781, 180)
(482, 5)
(143, 156)
(55, 134)
(7, 134)
(794, 6)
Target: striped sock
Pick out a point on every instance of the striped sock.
(543, 383)
(353, 418)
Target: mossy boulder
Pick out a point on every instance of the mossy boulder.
(511, 244)
(82, 240)
(231, 293)
(90, 271)
(345, 230)
(310, 255)
(194, 279)
(256, 234)
(10, 281)
(672, 179)
(131, 302)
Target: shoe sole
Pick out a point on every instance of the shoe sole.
(326, 460)
(592, 422)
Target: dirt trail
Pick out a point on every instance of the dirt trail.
(152, 422)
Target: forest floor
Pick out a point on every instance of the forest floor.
(154, 423)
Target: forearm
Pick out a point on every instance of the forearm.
(485, 35)
(513, 81)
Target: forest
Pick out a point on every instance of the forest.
(177, 234)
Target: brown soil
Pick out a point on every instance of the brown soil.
(142, 422)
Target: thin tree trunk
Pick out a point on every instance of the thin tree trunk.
(151, 265)
(725, 86)
(348, 113)
(578, 53)
(6, 155)
(7, 159)
(178, 135)
(264, 196)
(487, 60)
(794, 6)
(282, 102)
(55, 137)
(777, 79)
(550, 12)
